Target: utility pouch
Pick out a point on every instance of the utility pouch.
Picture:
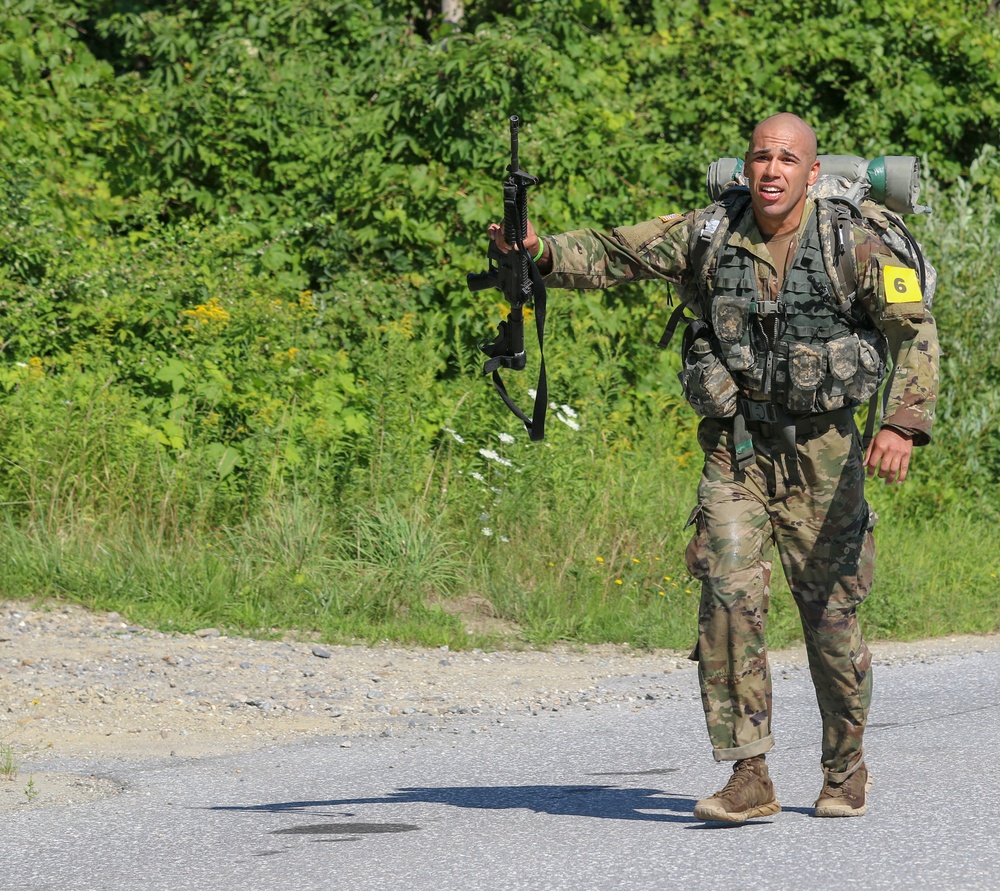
(730, 316)
(707, 384)
(872, 366)
(843, 357)
(806, 371)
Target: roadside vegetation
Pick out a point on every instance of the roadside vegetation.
(239, 383)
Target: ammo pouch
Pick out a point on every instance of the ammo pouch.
(824, 377)
(730, 319)
(873, 353)
(806, 364)
(707, 384)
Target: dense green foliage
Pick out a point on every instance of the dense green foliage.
(239, 373)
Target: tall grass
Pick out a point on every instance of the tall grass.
(572, 540)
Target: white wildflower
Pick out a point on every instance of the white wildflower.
(487, 531)
(506, 438)
(454, 435)
(568, 421)
(569, 412)
(491, 455)
(478, 476)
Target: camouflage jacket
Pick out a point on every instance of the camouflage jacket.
(659, 249)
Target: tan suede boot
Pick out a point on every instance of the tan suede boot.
(845, 799)
(749, 793)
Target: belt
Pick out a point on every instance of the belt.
(771, 419)
(775, 422)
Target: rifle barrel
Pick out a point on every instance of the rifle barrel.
(515, 124)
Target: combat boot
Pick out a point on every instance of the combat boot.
(847, 798)
(749, 793)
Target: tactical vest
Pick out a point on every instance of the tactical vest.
(808, 351)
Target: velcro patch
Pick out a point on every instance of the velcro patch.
(669, 217)
(901, 285)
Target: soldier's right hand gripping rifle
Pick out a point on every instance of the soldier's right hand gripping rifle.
(515, 274)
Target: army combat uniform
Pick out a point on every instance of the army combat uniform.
(777, 375)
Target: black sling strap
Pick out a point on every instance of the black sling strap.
(497, 351)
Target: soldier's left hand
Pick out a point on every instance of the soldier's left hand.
(888, 455)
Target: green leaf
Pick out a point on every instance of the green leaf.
(225, 459)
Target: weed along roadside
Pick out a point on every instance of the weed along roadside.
(79, 687)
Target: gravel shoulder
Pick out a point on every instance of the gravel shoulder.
(79, 688)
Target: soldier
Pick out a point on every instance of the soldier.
(777, 369)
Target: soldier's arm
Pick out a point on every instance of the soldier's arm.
(913, 388)
(893, 300)
(587, 258)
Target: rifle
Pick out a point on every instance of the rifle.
(517, 276)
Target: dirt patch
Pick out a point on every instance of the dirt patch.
(78, 687)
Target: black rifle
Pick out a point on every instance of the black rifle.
(517, 276)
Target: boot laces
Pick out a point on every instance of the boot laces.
(837, 790)
(743, 773)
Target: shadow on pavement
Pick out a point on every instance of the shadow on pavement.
(605, 802)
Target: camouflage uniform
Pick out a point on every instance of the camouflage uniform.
(817, 517)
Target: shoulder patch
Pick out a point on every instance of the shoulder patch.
(901, 285)
(898, 291)
(670, 216)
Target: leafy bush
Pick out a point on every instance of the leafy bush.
(233, 247)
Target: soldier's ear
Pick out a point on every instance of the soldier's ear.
(813, 173)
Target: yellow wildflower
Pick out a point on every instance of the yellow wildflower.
(211, 312)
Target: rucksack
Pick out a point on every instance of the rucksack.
(871, 194)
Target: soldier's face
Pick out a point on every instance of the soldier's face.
(780, 165)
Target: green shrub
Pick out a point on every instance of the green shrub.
(239, 380)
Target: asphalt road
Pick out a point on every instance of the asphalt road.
(576, 799)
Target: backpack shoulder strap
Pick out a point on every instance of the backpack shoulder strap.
(711, 229)
(836, 219)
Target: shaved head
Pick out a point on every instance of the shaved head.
(791, 124)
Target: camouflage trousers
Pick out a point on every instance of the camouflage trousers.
(822, 532)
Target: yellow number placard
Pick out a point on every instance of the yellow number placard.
(901, 285)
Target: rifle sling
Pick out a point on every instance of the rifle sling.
(535, 425)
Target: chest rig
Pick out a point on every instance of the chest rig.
(801, 350)
(786, 362)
